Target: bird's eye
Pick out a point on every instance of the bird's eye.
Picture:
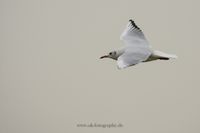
(110, 53)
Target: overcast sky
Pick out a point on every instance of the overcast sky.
(51, 78)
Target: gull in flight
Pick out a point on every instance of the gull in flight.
(136, 50)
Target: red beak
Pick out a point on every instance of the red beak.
(105, 56)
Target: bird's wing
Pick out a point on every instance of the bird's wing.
(137, 47)
(133, 35)
(133, 56)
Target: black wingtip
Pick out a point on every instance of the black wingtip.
(133, 24)
(131, 20)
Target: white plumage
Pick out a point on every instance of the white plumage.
(137, 48)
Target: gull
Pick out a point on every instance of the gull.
(136, 50)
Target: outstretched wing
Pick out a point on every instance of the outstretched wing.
(133, 56)
(137, 48)
(133, 35)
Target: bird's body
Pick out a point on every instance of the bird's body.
(137, 48)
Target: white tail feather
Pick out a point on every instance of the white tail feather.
(162, 54)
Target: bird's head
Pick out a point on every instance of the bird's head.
(112, 55)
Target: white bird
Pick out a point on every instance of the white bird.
(137, 48)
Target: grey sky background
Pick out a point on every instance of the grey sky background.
(51, 78)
